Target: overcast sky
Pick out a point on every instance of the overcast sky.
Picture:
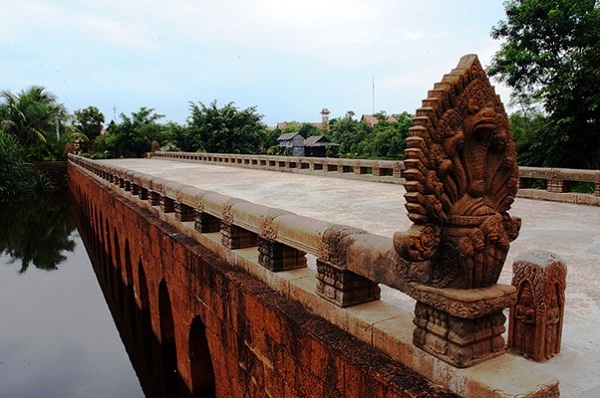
(290, 59)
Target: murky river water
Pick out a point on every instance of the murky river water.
(58, 337)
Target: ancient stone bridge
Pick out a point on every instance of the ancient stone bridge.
(260, 300)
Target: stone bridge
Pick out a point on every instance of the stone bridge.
(267, 292)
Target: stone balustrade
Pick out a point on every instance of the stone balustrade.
(351, 263)
(557, 181)
(558, 184)
(363, 169)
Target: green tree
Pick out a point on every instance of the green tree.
(384, 140)
(309, 129)
(226, 129)
(551, 54)
(389, 138)
(17, 177)
(89, 121)
(133, 136)
(351, 135)
(30, 115)
(178, 138)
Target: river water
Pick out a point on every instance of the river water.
(58, 336)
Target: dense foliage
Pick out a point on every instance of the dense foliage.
(30, 115)
(226, 129)
(17, 177)
(133, 136)
(384, 140)
(89, 122)
(551, 56)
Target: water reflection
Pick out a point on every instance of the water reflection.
(36, 231)
(155, 364)
(57, 337)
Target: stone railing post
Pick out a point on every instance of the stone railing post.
(184, 212)
(233, 236)
(273, 255)
(335, 283)
(461, 327)
(204, 222)
(377, 170)
(535, 321)
(167, 205)
(556, 182)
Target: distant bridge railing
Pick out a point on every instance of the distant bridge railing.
(363, 169)
(558, 184)
(553, 184)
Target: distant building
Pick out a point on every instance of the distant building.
(291, 144)
(372, 120)
(294, 144)
(325, 119)
(317, 145)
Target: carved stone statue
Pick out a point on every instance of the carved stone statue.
(461, 179)
(535, 325)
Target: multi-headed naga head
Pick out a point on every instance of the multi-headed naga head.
(461, 179)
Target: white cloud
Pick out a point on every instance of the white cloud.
(305, 54)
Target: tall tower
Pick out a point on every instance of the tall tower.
(325, 119)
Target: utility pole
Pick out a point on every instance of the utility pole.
(373, 95)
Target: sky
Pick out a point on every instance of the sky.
(289, 59)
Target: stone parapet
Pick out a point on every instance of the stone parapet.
(369, 258)
(389, 171)
(392, 172)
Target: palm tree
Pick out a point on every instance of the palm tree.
(30, 115)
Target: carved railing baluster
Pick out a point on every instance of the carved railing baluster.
(335, 282)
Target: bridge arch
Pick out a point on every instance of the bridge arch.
(100, 226)
(142, 290)
(108, 247)
(128, 266)
(201, 367)
(117, 249)
(165, 314)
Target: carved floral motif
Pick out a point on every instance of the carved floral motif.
(268, 228)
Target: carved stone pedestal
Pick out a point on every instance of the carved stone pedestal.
(560, 186)
(343, 287)
(336, 283)
(184, 212)
(206, 223)
(461, 327)
(276, 256)
(167, 205)
(234, 237)
(153, 198)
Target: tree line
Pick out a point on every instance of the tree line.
(44, 128)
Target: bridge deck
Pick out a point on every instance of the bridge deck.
(571, 231)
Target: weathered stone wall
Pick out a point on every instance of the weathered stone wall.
(259, 343)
